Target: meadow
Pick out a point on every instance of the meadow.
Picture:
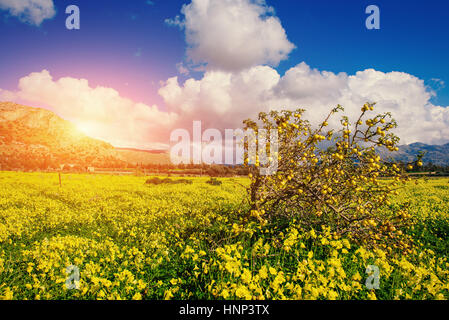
(131, 240)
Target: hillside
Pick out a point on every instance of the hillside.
(435, 154)
(145, 157)
(34, 137)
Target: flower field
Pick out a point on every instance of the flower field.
(131, 240)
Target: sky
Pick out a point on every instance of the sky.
(136, 70)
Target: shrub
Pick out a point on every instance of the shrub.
(340, 186)
(214, 182)
(154, 180)
(186, 181)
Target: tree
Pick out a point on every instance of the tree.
(338, 186)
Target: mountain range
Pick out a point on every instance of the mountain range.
(38, 138)
(435, 154)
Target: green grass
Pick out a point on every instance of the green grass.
(132, 240)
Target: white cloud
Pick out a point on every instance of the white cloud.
(220, 99)
(236, 42)
(101, 112)
(182, 69)
(176, 21)
(438, 84)
(30, 11)
(223, 99)
(233, 34)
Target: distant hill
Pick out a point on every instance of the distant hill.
(38, 138)
(145, 157)
(34, 137)
(435, 154)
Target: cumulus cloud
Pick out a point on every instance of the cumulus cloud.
(101, 112)
(438, 84)
(233, 34)
(29, 11)
(223, 99)
(238, 42)
(220, 99)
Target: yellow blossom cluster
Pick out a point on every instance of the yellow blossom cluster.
(134, 241)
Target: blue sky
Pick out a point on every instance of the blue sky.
(329, 35)
(128, 46)
(413, 38)
(111, 33)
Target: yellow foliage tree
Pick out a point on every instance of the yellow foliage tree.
(329, 177)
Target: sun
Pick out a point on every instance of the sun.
(87, 128)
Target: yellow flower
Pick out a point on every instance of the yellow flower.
(101, 294)
(168, 295)
(372, 296)
(243, 292)
(137, 296)
(440, 296)
(357, 277)
(8, 294)
(225, 294)
(246, 276)
(263, 274)
(332, 295)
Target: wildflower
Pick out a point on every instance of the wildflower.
(243, 292)
(263, 274)
(8, 294)
(137, 296)
(168, 294)
(246, 276)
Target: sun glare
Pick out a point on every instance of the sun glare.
(87, 128)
